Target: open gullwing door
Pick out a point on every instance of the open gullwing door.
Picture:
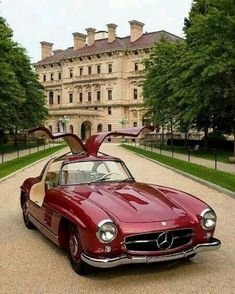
(94, 142)
(74, 142)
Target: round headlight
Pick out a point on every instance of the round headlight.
(208, 219)
(107, 231)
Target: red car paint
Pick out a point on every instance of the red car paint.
(134, 207)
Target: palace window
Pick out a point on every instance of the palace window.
(70, 97)
(58, 99)
(109, 110)
(89, 70)
(51, 98)
(81, 71)
(135, 93)
(109, 128)
(80, 97)
(70, 73)
(59, 76)
(98, 95)
(44, 78)
(98, 68)
(110, 94)
(110, 67)
(135, 124)
(52, 77)
(136, 66)
(89, 96)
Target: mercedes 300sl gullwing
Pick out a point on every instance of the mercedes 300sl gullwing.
(88, 203)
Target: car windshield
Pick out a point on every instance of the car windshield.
(86, 172)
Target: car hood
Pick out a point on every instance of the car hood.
(133, 202)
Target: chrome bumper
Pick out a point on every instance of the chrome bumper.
(125, 259)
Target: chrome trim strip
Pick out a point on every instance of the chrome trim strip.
(154, 240)
(214, 244)
(160, 231)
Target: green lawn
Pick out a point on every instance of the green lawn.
(223, 179)
(222, 155)
(11, 166)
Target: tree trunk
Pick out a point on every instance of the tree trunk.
(172, 135)
(206, 138)
(162, 135)
(185, 139)
(234, 142)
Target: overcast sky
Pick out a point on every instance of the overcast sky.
(55, 20)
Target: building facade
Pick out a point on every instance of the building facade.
(95, 85)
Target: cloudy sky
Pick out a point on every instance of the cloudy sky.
(55, 20)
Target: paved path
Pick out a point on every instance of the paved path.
(227, 167)
(29, 263)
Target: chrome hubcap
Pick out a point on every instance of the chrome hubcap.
(73, 245)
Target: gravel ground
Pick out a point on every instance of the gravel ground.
(29, 263)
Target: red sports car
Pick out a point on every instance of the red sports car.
(88, 203)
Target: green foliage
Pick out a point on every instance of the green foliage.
(158, 86)
(194, 81)
(216, 136)
(21, 95)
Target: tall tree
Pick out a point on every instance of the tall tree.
(158, 87)
(210, 77)
(22, 102)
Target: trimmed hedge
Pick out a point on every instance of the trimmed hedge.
(224, 145)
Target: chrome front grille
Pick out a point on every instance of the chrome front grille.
(158, 241)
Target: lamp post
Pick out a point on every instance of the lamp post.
(64, 121)
(123, 122)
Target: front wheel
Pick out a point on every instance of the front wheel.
(74, 251)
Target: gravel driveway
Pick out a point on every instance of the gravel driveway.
(29, 263)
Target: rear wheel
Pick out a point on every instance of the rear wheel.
(27, 222)
(74, 249)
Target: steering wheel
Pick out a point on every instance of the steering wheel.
(109, 174)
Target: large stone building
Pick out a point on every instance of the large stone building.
(95, 85)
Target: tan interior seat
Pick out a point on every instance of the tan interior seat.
(52, 178)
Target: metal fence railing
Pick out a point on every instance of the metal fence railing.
(14, 149)
(189, 155)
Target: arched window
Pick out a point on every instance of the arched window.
(99, 128)
(50, 128)
(71, 129)
(51, 98)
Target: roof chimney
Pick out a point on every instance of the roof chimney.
(46, 49)
(136, 30)
(90, 36)
(111, 32)
(79, 40)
